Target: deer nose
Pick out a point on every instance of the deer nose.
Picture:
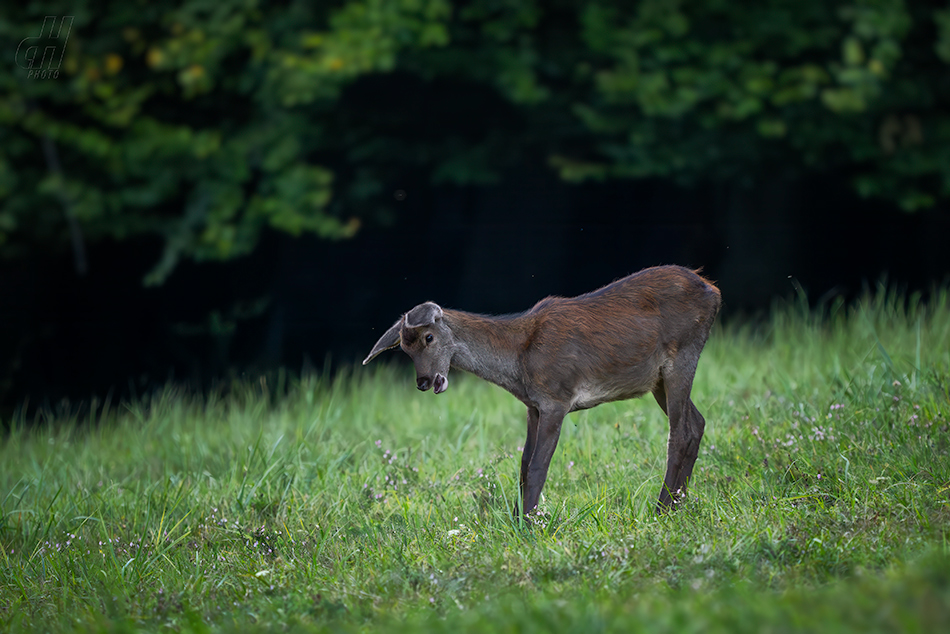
(423, 383)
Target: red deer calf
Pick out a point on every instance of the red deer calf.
(643, 333)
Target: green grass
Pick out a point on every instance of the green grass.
(821, 499)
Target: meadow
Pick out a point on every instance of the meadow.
(355, 503)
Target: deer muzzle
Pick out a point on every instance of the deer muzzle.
(440, 383)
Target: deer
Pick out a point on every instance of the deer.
(642, 333)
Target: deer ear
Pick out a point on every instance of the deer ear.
(423, 315)
(390, 339)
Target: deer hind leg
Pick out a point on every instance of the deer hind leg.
(686, 425)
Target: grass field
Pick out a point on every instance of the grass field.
(821, 499)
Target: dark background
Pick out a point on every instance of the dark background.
(484, 249)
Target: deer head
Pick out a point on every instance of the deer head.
(422, 334)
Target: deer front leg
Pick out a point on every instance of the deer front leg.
(534, 466)
(527, 452)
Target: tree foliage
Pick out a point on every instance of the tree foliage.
(198, 122)
(696, 89)
(206, 122)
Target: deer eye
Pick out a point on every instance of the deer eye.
(429, 338)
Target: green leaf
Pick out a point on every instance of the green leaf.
(852, 52)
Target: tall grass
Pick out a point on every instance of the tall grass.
(821, 499)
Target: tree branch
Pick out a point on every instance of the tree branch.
(75, 231)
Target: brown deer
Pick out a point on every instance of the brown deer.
(642, 333)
